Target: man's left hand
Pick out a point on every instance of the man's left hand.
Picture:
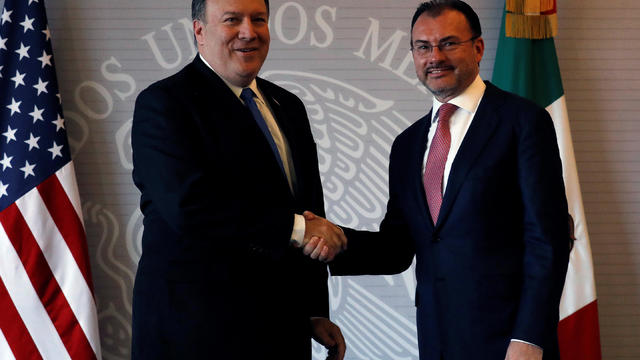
(522, 351)
(328, 335)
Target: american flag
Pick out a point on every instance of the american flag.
(46, 293)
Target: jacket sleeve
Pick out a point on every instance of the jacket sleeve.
(546, 237)
(388, 251)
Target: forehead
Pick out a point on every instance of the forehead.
(236, 6)
(450, 23)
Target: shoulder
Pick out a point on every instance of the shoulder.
(509, 102)
(171, 85)
(164, 101)
(512, 113)
(278, 93)
(415, 132)
(512, 110)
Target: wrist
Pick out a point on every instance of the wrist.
(297, 234)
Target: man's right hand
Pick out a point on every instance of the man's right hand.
(322, 239)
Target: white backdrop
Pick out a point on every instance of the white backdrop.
(349, 61)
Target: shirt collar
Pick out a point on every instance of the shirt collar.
(468, 100)
(236, 89)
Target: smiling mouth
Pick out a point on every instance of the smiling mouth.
(438, 70)
(247, 50)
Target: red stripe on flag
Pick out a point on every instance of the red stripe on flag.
(14, 330)
(579, 334)
(45, 284)
(66, 219)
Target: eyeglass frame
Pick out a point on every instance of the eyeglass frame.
(443, 46)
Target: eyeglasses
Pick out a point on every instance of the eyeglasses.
(425, 48)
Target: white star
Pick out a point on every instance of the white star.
(41, 86)
(36, 114)
(33, 142)
(28, 169)
(3, 42)
(27, 23)
(3, 189)
(30, 1)
(15, 106)
(6, 16)
(1, 71)
(55, 150)
(10, 134)
(45, 59)
(59, 123)
(6, 162)
(23, 51)
(19, 78)
(47, 33)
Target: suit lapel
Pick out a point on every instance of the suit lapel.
(479, 133)
(415, 163)
(282, 118)
(287, 129)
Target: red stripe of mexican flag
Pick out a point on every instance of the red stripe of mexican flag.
(530, 69)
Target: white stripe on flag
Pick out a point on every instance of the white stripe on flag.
(5, 351)
(579, 287)
(27, 302)
(67, 177)
(61, 261)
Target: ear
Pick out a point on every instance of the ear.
(478, 48)
(198, 31)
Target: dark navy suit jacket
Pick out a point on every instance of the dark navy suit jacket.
(493, 266)
(218, 278)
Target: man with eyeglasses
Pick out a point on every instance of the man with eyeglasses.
(476, 194)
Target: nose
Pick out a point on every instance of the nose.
(436, 54)
(247, 30)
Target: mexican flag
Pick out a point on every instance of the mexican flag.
(527, 64)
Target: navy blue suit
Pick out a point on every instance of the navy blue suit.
(493, 266)
(218, 278)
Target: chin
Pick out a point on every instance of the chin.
(441, 92)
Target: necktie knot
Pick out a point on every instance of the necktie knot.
(247, 95)
(445, 112)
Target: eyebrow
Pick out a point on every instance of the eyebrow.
(446, 38)
(237, 13)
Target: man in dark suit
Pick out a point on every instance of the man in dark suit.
(476, 194)
(226, 163)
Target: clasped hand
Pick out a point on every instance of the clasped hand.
(323, 240)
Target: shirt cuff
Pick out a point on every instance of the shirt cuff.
(297, 235)
(526, 342)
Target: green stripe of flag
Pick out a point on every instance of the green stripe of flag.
(528, 68)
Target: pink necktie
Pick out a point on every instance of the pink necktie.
(437, 158)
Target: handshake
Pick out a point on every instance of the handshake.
(323, 240)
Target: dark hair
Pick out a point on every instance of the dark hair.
(434, 8)
(198, 8)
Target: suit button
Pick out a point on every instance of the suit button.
(435, 239)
